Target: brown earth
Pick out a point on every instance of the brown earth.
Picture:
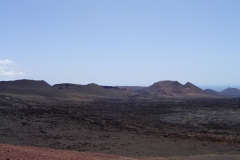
(13, 152)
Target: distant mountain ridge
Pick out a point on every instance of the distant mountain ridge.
(68, 91)
(228, 92)
(133, 87)
(97, 91)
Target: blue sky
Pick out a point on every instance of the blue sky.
(121, 42)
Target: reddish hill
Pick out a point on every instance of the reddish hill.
(176, 89)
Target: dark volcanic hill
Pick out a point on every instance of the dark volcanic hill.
(176, 89)
(211, 91)
(92, 91)
(29, 87)
(230, 92)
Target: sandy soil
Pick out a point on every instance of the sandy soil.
(13, 152)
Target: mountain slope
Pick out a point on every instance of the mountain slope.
(29, 88)
(176, 89)
(211, 91)
(92, 91)
(230, 92)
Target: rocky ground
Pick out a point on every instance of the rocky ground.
(167, 128)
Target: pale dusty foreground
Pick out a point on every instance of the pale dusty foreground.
(13, 152)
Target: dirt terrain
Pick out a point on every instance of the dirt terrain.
(10, 152)
(167, 128)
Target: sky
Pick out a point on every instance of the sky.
(121, 42)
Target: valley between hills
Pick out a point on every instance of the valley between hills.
(165, 120)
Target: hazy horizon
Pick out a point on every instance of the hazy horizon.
(121, 42)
